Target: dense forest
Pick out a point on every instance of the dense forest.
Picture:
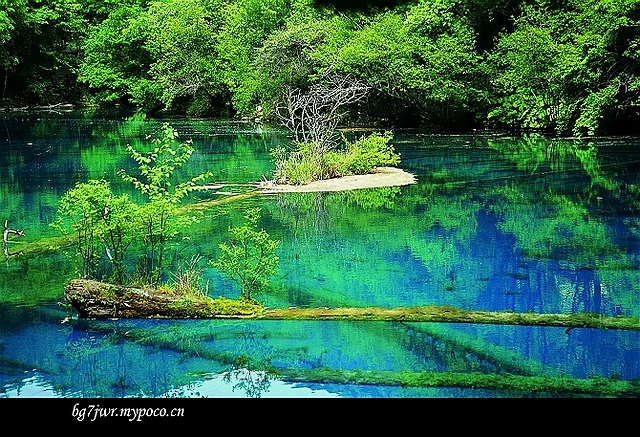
(568, 67)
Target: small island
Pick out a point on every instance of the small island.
(379, 177)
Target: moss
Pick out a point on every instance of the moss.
(193, 343)
(456, 315)
(207, 307)
(134, 302)
(559, 386)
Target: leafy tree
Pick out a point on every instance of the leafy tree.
(285, 61)
(116, 61)
(105, 226)
(569, 68)
(245, 27)
(249, 258)
(183, 39)
(608, 35)
(424, 58)
(572, 67)
(39, 52)
(534, 71)
(160, 223)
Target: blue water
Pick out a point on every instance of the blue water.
(493, 223)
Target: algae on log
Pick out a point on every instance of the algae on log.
(93, 299)
(456, 315)
(558, 385)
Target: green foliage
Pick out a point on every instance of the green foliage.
(249, 258)
(39, 39)
(286, 58)
(160, 222)
(296, 167)
(105, 226)
(157, 167)
(567, 69)
(571, 67)
(535, 69)
(425, 57)
(116, 60)
(183, 38)
(307, 162)
(369, 152)
(247, 24)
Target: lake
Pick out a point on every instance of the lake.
(495, 222)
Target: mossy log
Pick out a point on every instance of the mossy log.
(542, 385)
(94, 299)
(99, 300)
(456, 315)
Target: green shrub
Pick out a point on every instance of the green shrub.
(370, 152)
(306, 163)
(105, 225)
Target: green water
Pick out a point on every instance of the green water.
(494, 222)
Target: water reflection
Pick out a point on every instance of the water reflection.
(217, 358)
(493, 223)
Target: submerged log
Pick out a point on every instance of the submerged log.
(49, 245)
(450, 314)
(94, 299)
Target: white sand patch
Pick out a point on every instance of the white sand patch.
(381, 177)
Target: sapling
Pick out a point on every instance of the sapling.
(160, 223)
(249, 257)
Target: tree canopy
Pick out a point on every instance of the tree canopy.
(565, 67)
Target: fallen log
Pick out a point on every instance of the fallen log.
(94, 299)
(99, 300)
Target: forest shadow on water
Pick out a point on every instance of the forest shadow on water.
(523, 224)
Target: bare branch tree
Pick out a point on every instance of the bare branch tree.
(314, 115)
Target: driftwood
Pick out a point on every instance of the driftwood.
(5, 239)
(94, 299)
(52, 108)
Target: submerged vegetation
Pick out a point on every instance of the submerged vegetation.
(257, 367)
(434, 222)
(539, 385)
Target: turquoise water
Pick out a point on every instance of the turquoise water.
(494, 222)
